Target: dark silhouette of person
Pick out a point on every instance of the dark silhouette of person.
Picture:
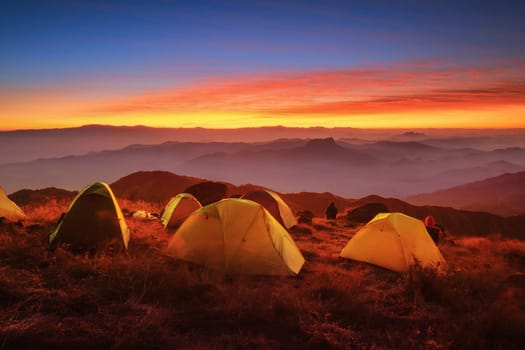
(331, 212)
(435, 231)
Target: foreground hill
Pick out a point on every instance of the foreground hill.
(316, 202)
(503, 195)
(31, 197)
(152, 186)
(455, 221)
(160, 186)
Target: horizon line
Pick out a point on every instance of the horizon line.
(260, 127)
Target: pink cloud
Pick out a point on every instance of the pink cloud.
(399, 87)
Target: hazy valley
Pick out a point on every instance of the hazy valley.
(354, 164)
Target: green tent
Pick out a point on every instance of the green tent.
(93, 218)
(178, 209)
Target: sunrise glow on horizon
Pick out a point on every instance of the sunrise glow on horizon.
(234, 65)
(452, 119)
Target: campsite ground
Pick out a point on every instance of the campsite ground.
(144, 299)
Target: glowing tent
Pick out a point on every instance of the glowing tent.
(272, 202)
(178, 209)
(8, 208)
(394, 241)
(236, 236)
(93, 218)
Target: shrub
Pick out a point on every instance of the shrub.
(305, 217)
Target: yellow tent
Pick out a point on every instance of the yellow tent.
(178, 209)
(93, 218)
(272, 202)
(8, 208)
(236, 236)
(394, 241)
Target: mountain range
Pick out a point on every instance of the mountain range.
(28, 145)
(346, 168)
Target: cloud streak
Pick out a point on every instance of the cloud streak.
(345, 91)
(389, 95)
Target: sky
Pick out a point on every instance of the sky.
(224, 64)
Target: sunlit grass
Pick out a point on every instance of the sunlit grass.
(144, 299)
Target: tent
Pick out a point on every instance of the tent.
(178, 209)
(93, 218)
(272, 202)
(394, 241)
(208, 192)
(8, 209)
(236, 236)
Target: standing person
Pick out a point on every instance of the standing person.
(331, 212)
(435, 231)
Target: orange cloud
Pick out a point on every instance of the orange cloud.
(435, 100)
(383, 96)
(336, 92)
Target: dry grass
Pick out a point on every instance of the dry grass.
(145, 300)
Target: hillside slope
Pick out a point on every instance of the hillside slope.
(502, 195)
(455, 221)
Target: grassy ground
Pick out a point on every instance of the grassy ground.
(146, 300)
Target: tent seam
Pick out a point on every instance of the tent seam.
(244, 234)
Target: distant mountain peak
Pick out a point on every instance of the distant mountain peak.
(323, 144)
(413, 133)
(327, 140)
(408, 145)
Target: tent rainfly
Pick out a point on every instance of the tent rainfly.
(8, 209)
(93, 218)
(236, 236)
(272, 202)
(394, 241)
(178, 209)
